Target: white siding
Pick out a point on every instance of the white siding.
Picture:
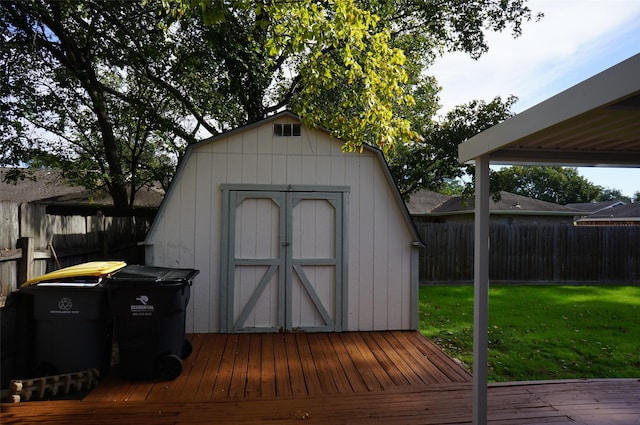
(187, 231)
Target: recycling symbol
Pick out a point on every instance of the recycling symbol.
(65, 304)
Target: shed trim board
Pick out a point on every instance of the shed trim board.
(290, 268)
(594, 123)
(379, 244)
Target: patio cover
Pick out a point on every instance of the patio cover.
(594, 123)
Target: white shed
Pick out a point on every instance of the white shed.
(289, 234)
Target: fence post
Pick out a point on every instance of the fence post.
(27, 261)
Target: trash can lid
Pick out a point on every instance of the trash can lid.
(152, 275)
(93, 269)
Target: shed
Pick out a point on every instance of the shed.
(289, 234)
(594, 123)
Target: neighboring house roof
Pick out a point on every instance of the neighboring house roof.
(619, 214)
(595, 207)
(47, 186)
(38, 184)
(145, 198)
(509, 203)
(424, 201)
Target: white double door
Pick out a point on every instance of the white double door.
(284, 265)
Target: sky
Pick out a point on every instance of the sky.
(575, 40)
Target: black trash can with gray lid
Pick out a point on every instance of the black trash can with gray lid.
(149, 306)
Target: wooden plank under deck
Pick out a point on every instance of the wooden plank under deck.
(347, 378)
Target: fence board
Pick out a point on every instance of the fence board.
(533, 253)
(9, 225)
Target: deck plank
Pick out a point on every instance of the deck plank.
(344, 361)
(255, 367)
(404, 365)
(298, 385)
(210, 360)
(363, 366)
(371, 361)
(320, 355)
(239, 374)
(283, 378)
(447, 365)
(191, 372)
(225, 369)
(431, 373)
(509, 404)
(309, 369)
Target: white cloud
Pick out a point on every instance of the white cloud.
(575, 39)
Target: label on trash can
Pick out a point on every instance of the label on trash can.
(65, 306)
(144, 308)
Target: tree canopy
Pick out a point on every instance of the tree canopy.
(561, 185)
(112, 92)
(433, 162)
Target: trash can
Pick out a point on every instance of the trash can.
(72, 324)
(149, 307)
(16, 339)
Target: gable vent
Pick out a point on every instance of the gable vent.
(286, 130)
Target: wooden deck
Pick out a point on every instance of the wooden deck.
(255, 366)
(345, 378)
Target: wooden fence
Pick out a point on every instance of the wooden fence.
(33, 242)
(533, 253)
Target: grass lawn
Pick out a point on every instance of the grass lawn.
(541, 332)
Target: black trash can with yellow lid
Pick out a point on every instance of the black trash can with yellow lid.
(72, 325)
(149, 307)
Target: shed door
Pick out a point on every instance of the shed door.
(284, 268)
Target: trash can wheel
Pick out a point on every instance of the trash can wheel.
(169, 367)
(187, 349)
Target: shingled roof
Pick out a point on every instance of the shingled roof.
(431, 203)
(595, 207)
(38, 184)
(49, 187)
(424, 201)
(626, 214)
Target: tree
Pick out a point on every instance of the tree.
(433, 162)
(560, 185)
(124, 86)
(355, 67)
(74, 95)
(608, 194)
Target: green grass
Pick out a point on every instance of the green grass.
(541, 332)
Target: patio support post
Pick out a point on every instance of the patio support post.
(481, 290)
